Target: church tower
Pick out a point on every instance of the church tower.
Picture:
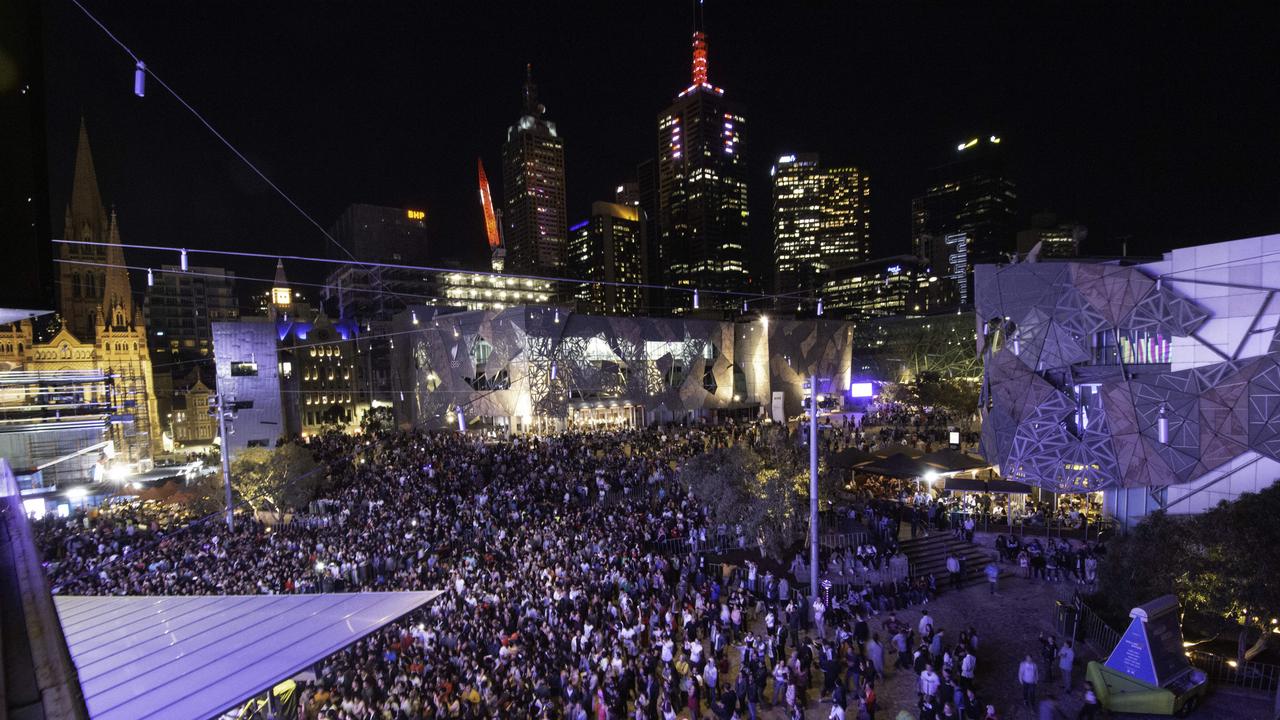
(82, 280)
(96, 304)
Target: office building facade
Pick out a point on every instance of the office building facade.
(702, 193)
(899, 285)
(533, 187)
(967, 215)
(1056, 239)
(821, 221)
(373, 233)
(608, 250)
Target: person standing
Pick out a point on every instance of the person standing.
(953, 569)
(993, 576)
(1028, 676)
(1090, 709)
(1066, 659)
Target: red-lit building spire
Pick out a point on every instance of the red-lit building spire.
(699, 48)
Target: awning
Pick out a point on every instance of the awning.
(891, 450)
(850, 457)
(896, 466)
(992, 486)
(948, 461)
(195, 656)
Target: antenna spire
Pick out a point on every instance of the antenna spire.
(699, 47)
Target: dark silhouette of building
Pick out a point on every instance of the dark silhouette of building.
(609, 248)
(968, 214)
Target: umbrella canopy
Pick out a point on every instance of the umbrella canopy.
(949, 461)
(898, 465)
(850, 457)
(890, 450)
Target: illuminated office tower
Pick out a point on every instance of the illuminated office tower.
(702, 191)
(968, 214)
(820, 222)
(609, 249)
(533, 190)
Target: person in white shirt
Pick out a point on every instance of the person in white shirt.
(1066, 659)
(968, 666)
(929, 681)
(926, 622)
(1028, 675)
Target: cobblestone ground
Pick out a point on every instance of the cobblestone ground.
(1009, 625)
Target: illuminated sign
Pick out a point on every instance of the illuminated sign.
(787, 159)
(861, 390)
(894, 269)
(415, 214)
(280, 296)
(967, 145)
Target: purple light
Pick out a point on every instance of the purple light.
(140, 79)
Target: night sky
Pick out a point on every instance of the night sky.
(1158, 123)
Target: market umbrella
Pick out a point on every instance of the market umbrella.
(950, 461)
(898, 465)
(890, 450)
(850, 457)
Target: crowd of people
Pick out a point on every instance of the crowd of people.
(564, 593)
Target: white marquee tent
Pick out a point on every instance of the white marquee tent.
(197, 656)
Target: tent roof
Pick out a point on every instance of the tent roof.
(948, 460)
(850, 457)
(889, 450)
(897, 466)
(195, 656)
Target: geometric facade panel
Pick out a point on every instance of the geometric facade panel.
(1078, 393)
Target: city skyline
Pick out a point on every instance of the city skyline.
(894, 112)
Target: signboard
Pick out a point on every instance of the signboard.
(1132, 656)
(861, 390)
(778, 414)
(1151, 649)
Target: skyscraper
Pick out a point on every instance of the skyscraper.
(609, 248)
(702, 190)
(372, 233)
(968, 214)
(820, 222)
(533, 190)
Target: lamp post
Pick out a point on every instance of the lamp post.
(813, 489)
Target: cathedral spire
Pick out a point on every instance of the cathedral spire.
(117, 293)
(86, 202)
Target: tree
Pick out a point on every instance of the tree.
(275, 479)
(378, 422)
(763, 492)
(1221, 564)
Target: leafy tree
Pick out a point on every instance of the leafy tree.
(275, 479)
(1222, 564)
(378, 422)
(764, 490)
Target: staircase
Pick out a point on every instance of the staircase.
(928, 554)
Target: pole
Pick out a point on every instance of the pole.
(813, 487)
(226, 462)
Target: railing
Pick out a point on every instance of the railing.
(1094, 630)
(1251, 675)
(1090, 531)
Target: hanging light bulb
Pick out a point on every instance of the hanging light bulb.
(1017, 345)
(744, 306)
(1158, 283)
(401, 396)
(462, 420)
(695, 299)
(819, 307)
(1162, 427)
(414, 315)
(140, 79)
(182, 260)
(557, 315)
(151, 280)
(554, 370)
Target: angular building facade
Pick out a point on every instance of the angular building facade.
(1157, 383)
(702, 193)
(534, 209)
(539, 368)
